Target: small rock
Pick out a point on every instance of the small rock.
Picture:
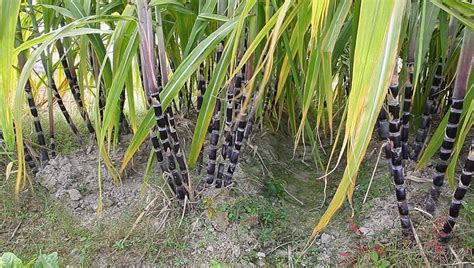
(366, 231)
(261, 255)
(325, 238)
(252, 221)
(49, 182)
(75, 251)
(74, 194)
(236, 251)
(324, 257)
(220, 221)
(108, 202)
(94, 206)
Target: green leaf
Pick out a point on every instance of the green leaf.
(138, 138)
(461, 10)
(199, 26)
(10, 260)
(78, 12)
(187, 68)
(165, 2)
(60, 10)
(8, 17)
(374, 61)
(213, 17)
(429, 17)
(46, 37)
(112, 102)
(47, 261)
(374, 256)
(208, 104)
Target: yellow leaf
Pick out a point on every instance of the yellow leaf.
(8, 171)
(374, 59)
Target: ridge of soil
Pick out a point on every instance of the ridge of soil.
(264, 219)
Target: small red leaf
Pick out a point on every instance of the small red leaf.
(345, 254)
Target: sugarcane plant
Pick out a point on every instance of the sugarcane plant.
(52, 87)
(396, 155)
(464, 67)
(429, 109)
(460, 192)
(234, 67)
(164, 117)
(71, 76)
(33, 108)
(426, 77)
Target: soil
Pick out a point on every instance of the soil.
(73, 181)
(244, 225)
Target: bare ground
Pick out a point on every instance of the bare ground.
(264, 219)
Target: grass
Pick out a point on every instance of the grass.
(260, 212)
(48, 227)
(66, 142)
(271, 218)
(376, 255)
(45, 226)
(467, 212)
(307, 97)
(297, 100)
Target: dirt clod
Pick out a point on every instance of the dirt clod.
(74, 194)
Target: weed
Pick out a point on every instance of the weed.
(250, 256)
(179, 261)
(265, 234)
(120, 245)
(469, 212)
(215, 264)
(173, 236)
(274, 188)
(377, 261)
(377, 255)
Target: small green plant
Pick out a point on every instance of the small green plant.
(10, 260)
(258, 212)
(265, 234)
(119, 245)
(173, 235)
(246, 208)
(179, 261)
(215, 264)
(377, 261)
(250, 256)
(274, 188)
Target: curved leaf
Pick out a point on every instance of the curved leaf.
(374, 61)
(187, 68)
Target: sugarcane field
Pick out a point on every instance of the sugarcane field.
(223, 133)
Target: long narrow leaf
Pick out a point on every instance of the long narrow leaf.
(374, 60)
